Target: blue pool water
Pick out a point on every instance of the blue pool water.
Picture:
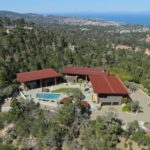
(48, 96)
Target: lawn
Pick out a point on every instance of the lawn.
(68, 91)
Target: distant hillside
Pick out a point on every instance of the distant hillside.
(51, 19)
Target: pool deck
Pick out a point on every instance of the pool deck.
(31, 94)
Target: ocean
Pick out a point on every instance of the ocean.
(122, 18)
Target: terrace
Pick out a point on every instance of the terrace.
(65, 90)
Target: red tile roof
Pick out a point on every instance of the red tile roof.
(64, 100)
(84, 71)
(36, 75)
(108, 85)
(84, 103)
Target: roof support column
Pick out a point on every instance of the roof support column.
(23, 84)
(86, 77)
(40, 83)
(112, 103)
(98, 99)
(120, 102)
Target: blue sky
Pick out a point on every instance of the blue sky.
(74, 6)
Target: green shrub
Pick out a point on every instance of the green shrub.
(4, 118)
(126, 100)
(147, 125)
(125, 108)
(130, 146)
(123, 74)
(133, 86)
(6, 147)
(80, 81)
(134, 106)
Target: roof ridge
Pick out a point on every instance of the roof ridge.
(36, 70)
(109, 84)
(37, 74)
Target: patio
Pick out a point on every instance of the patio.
(85, 87)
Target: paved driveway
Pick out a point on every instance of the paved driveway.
(140, 96)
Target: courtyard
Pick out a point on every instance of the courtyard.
(66, 90)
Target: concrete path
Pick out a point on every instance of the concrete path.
(140, 96)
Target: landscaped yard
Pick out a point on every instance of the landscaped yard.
(69, 91)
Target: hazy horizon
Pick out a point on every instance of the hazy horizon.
(83, 12)
(78, 6)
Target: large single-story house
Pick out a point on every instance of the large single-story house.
(108, 89)
(38, 78)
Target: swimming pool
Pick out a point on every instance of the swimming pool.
(48, 96)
